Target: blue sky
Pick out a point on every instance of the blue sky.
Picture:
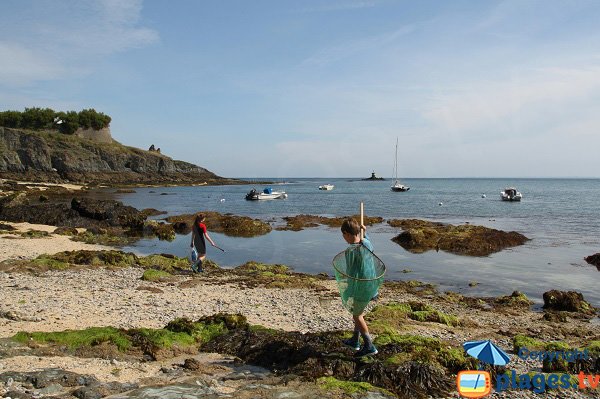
(322, 88)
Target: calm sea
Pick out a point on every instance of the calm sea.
(561, 216)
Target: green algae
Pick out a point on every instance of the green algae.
(103, 239)
(49, 263)
(349, 387)
(156, 275)
(167, 263)
(180, 333)
(523, 341)
(516, 299)
(34, 234)
(228, 224)
(391, 314)
(593, 348)
(256, 274)
(425, 350)
(75, 339)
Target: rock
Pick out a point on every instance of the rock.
(230, 225)
(6, 227)
(27, 155)
(594, 260)
(300, 222)
(191, 364)
(570, 301)
(421, 236)
(113, 212)
(516, 299)
(66, 231)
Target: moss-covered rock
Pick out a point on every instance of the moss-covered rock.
(390, 315)
(570, 301)
(164, 231)
(66, 231)
(179, 336)
(515, 300)
(300, 222)
(349, 387)
(156, 275)
(256, 274)
(228, 224)
(34, 234)
(421, 236)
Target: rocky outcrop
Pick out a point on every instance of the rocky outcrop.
(594, 260)
(55, 157)
(569, 301)
(420, 236)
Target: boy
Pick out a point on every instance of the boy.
(198, 234)
(361, 268)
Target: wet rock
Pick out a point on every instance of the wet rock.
(555, 317)
(570, 301)
(6, 227)
(191, 364)
(230, 225)
(66, 231)
(51, 214)
(48, 377)
(515, 300)
(113, 212)
(300, 222)
(17, 395)
(594, 260)
(164, 231)
(421, 236)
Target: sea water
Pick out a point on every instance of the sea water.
(560, 216)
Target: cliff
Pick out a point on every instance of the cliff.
(55, 157)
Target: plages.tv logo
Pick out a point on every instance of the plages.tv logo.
(478, 383)
(473, 384)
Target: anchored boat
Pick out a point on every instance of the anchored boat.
(266, 194)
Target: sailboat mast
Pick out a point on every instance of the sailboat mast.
(396, 162)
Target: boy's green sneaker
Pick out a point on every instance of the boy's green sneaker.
(352, 343)
(366, 351)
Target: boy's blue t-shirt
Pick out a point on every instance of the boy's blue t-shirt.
(358, 265)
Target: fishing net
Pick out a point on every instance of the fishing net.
(359, 274)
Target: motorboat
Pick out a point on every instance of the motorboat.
(397, 186)
(510, 194)
(326, 187)
(266, 194)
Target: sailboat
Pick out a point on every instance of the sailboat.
(397, 186)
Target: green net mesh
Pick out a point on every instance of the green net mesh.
(359, 274)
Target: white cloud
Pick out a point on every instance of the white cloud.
(20, 65)
(63, 39)
(535, 94)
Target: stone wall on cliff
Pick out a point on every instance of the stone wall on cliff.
(101, 136)
(55, 157)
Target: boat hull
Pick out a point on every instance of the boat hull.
(263, 196)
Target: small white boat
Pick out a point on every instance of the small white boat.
(510, 194)
(326, 187)
(266, 194)
(397, 185)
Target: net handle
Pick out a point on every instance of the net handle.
(362, 219)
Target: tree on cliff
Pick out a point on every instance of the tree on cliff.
(65, 122)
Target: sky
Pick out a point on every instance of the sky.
(282, 88)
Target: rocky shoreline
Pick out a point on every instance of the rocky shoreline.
(273, 333)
